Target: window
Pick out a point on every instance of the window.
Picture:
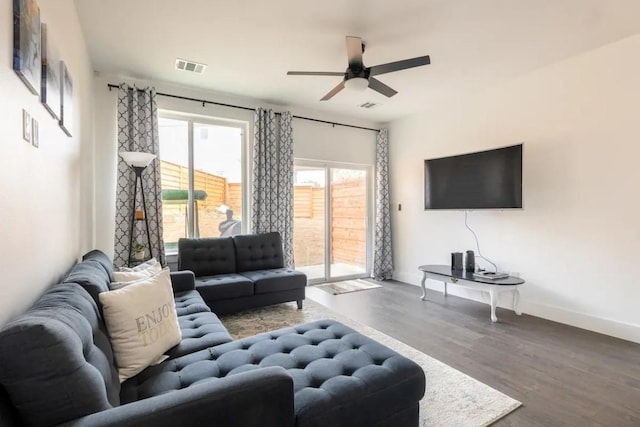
(202, 178)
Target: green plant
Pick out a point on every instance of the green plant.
(138, 247)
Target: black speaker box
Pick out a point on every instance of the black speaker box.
(456, 261)
(470, 263)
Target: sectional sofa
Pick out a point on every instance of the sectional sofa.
(243, 271)
(57, 368)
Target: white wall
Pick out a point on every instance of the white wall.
(312, 140)
(46, 193)
(577, 241)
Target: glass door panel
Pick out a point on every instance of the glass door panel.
(174, 179)
(217, 180)
(331, 221)
(309, 221)
(348, 209)
(201, 170)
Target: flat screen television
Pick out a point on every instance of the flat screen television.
(483, 180)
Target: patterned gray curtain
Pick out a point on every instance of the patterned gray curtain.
(272, 181)
(382, 253)
(138, 131)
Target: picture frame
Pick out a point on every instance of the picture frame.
(35, 133)
(50, 92)
(27, 61)
(66, 104)
(26, 126)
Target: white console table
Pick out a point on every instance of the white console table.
(443, 273)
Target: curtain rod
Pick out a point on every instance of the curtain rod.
(204, 102)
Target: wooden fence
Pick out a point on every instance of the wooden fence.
(219, 192)
(348, 223)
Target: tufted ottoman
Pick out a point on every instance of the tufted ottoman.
(340, 377)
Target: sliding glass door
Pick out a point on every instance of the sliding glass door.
(348, 226)
(309, 221)
(331, 220)
(201, 173)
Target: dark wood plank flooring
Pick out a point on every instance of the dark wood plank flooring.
(564, 376)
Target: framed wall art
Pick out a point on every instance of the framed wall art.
(50, 87)
(26, 43)
(66, 105)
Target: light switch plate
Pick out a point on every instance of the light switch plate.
(35, 133)
(26, 125)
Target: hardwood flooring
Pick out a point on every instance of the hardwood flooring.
(564, 376)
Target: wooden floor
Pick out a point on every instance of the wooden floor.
(564, 376)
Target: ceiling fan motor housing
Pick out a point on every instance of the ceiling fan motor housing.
(362, 73)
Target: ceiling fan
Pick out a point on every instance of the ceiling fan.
(359, 77)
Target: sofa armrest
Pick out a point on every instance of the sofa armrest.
(261, 397)
(183, 281)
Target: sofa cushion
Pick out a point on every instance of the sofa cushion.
(142, 323)
(102, 258)
(276, 280)
(258, 251)
(9, 416)
(336, 371)
(224, 286)
(190, 302)
(200, 328)
(207, 257)
(92, 275)
(56, 362)
(183, 281)
(199, 331)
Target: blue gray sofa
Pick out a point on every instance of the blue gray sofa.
(243, 271)
(57, 368)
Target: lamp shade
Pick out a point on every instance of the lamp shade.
(357, 84)
(137, 159)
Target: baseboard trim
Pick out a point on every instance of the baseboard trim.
(614, 328)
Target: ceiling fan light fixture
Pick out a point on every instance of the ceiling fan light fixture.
(357, 84)
(357, 77)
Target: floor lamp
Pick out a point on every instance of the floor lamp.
(138, 161)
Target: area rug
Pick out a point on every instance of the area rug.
(337, 288)
(451, 398)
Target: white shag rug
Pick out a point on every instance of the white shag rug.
(451, 398)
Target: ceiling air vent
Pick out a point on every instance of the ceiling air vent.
(186, 65)
(368, 105)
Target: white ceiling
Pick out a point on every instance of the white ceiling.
(249, 45)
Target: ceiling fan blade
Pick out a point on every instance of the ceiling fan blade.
(354, 52)
(378, 86)
(314, 73)
(399, 65)
(333, 91)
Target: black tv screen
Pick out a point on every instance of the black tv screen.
(484, 180)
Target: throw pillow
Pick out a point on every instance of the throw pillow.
(122, 278)
(142, 322)
(142, 266)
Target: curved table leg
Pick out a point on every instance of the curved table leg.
(494, 302)
(424, 289)
(516, 302)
